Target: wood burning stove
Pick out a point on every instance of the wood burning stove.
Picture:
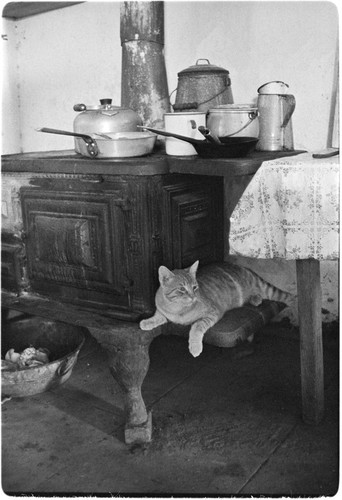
(82, 241)
(97, 240)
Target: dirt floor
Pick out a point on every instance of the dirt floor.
(227, 423)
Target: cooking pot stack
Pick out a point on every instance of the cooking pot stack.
(204, 99)
(204, 106)
(205, 121)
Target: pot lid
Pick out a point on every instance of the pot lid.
(273, 87)
(203, 68)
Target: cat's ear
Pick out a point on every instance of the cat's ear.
(164, 274)
(193, 269)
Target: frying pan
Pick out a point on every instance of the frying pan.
(111, 145)
(230, 147)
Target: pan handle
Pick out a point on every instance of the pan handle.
(209, 135)
(171, 134)
(91, 144)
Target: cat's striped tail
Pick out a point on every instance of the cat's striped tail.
(272, 292)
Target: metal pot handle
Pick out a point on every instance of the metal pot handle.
(91, 144)
(194, 105)
(252, 115)
(186, 105)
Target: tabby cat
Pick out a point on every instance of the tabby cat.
(200, 299)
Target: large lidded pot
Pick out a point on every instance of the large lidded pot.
(103, 119)
(202, 86)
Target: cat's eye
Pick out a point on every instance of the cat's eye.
(195, 287)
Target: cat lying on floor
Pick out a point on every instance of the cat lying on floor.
(200, 299)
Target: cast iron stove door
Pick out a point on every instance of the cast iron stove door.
(75, 246)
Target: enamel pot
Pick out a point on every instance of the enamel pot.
(202, 86)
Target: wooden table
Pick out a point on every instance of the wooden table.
(290, 211)
(238, 186)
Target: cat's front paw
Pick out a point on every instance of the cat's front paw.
(146, 324)
(195, 348)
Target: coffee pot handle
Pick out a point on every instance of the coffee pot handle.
(291, 104)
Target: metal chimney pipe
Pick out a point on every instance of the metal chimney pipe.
(143, 82)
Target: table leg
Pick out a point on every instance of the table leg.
(128, 354)
(311, 350)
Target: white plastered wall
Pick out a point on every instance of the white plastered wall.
(67, 56)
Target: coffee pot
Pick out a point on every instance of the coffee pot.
(275, 109)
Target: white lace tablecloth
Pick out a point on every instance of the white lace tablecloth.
(289, 210)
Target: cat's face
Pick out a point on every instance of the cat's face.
(179, 286)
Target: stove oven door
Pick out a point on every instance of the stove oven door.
(75, 237)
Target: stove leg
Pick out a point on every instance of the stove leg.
(128, 352)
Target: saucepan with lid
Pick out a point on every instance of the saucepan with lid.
(107, 131)
(104, 118)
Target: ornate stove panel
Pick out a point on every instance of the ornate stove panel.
(96, 240)
(74, 244)
(195, 217)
